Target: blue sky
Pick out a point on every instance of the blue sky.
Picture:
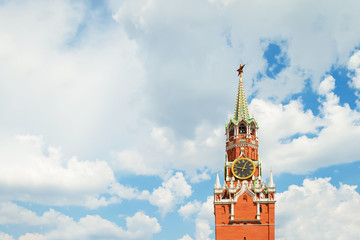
(113, 112)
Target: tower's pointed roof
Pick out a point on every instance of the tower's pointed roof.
(217, 183)
(271, 181)
(241, 106)
(241, 112)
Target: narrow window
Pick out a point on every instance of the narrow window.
(231, 133)
(242, 129)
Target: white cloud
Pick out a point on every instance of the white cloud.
(32, 236)
(139, 226)
(172, 192)
(130, 161)
(94, 87)
(61, 69)
(203, 230)
(56, 225)
(125, 192)
(142, 226)
(31, 172)
(327, 85)
(327, 31)
(204, 221)
(287, 132)
(354, 66)
(202, 176)
(72, 71)
(296, 141)
(160, 152)
(186, 237)
(4, 236)
(318, 210)
(189, 209)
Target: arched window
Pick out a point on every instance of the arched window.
(222, 209)
(242, 129)
(231, 132)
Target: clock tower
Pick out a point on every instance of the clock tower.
(244, 206)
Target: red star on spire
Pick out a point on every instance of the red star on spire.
(240, 70)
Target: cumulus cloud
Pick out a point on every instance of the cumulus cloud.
(294, 140)
(318, 210)
(172, 192)
(61, 69)
(354, 74)
(298, 36)
(354, 67)
(126, 192)
(287, 132)
(60, 226)
(327, 85)
(189, 209)
(80, 67)
(204, 220)
(32, 172)
(32, 236)
(161, 152)
(4, 236)
(186, 237)
(94, 87)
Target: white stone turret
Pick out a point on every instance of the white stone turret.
(217, 187)
(271, 185)
(217, 183)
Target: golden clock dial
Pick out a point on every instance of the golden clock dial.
(243, 168)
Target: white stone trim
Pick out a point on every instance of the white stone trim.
(244, 188)
(241, 143)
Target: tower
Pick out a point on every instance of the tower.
(244, 206)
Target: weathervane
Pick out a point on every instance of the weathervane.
(240, 70)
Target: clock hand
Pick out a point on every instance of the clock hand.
(244, 166)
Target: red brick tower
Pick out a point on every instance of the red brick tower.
(244, 206)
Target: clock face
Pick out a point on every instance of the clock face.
(243, 168)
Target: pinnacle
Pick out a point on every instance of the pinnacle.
(217, 183)
(271, 180)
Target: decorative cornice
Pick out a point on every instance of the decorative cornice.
(241, 143)
(264, 200)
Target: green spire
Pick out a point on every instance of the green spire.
(241, 106)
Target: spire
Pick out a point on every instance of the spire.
(271, 185)
(241, 106)
(217, 183)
